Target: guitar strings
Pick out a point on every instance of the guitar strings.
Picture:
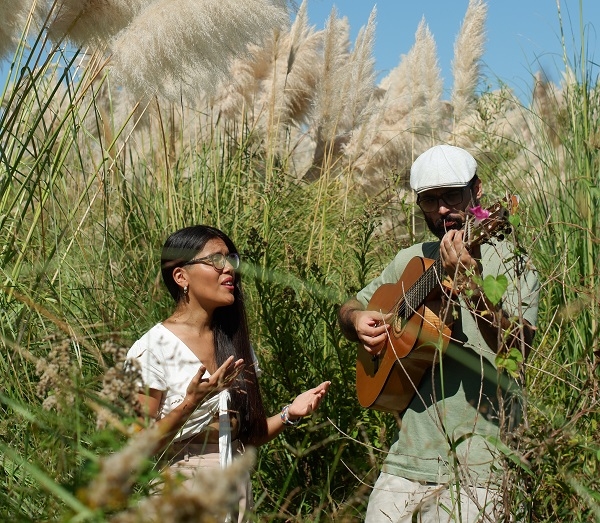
(416, 295)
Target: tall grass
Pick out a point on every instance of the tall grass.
(93, 179)
(564, 378)
(549, 153)
(83, 228)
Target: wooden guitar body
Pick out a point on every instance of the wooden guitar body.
(417, 337)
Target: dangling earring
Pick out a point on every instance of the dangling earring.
(186, 291)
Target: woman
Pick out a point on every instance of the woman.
(198, 367)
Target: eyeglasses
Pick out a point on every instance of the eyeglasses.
(450, 198)
(218, 260)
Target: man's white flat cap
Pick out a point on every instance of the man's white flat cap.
(442, 166)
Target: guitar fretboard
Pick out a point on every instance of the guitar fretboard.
(414, 297)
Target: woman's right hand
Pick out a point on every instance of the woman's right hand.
(200, 388)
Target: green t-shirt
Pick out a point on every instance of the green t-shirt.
(457, 402)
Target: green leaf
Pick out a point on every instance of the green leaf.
(494, 288)
(511, 362)
(514, 220)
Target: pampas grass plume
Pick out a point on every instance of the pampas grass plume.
(407, 115)
(468, 50)
(277, 80)
(361, 74)
(13, 22)
(328, 97)
(299, 78)
(183, 47)
(92, 22)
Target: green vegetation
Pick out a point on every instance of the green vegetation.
(92, 180)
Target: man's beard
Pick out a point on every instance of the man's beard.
(448, 222)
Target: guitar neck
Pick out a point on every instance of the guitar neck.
(416, 295)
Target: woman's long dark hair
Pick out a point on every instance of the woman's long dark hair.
(229, 324)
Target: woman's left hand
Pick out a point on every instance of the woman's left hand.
(307, 402)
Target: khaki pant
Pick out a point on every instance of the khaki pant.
(399, 500)
(187, 459)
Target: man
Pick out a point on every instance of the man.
(443, 465)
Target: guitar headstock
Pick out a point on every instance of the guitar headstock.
(482, 225)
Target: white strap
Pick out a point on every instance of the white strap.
(225, 452)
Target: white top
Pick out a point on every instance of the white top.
(167, 364)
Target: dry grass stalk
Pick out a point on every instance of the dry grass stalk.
(546, 106)
(119, 472)
(212, 496)
(184, 47)
(57, 373)
(120, 383)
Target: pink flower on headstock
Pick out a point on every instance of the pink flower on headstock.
(479, 213)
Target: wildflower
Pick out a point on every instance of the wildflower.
(479, 213)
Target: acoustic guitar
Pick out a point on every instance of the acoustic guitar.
(420, 322)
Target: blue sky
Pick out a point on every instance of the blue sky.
(523, 36)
